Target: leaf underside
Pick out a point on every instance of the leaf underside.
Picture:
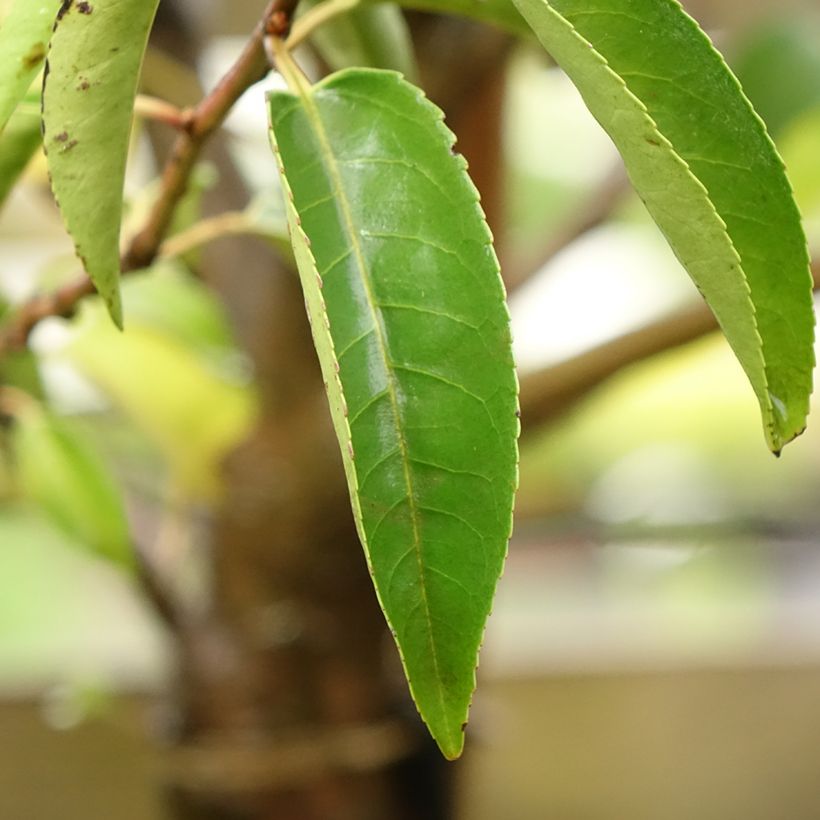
(409, 321)
(91, 80)
(701, 160)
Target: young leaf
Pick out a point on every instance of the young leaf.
(92, 73)
(409, 321)
(24, 35)
(701, 160)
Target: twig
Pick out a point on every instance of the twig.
(250, 67)
(153, 108)
(227, 223)
(549, 393)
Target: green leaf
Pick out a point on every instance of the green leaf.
(376, 36)
(18, 144)
(499, 13)
(779, 68)
(193, 411)
(88, 99)
(704, 165)
(409, 321)
(798, 143)
(24, 36)
(59, 469)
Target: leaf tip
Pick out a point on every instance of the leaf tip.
(451, 741)
(113, 302)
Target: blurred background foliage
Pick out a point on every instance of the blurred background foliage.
(655, 648)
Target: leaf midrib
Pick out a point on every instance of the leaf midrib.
(329, 162)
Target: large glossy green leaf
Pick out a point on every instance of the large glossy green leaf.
(24, 35)
(710, 176)
(88, 99)
(59, 470)
(409, 321)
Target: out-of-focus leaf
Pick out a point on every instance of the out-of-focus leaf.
(18, 143)
(779, 69)
(88, 99)
(20, 369)
(191, 414)
(24, 35)
(59, 470)
(500, 13)
(371, 35)
(170, 301)
(800, 144)
(701, 160)
(410, 325)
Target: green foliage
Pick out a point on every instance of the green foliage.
(18, 144)
(710, 176)
(195, 410)
(397, 266)
(400, 277)
(24, 35)
(499, 13)
(88, 98)
(779, 68)
(58, 468)
(376, 36)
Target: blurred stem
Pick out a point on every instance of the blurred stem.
(595, 209)
(549, 393)
(228, 223)
(153, 108)
(15, 402)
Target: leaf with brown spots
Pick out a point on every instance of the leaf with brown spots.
(88, 100)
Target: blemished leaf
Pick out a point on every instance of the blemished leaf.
(412, 331)
(24, 35)
(18, 144)
(88, 98)
(376, 36)
(702, 162)
(59, 470)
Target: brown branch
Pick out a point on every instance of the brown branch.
(549, 393)
(250, 67)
